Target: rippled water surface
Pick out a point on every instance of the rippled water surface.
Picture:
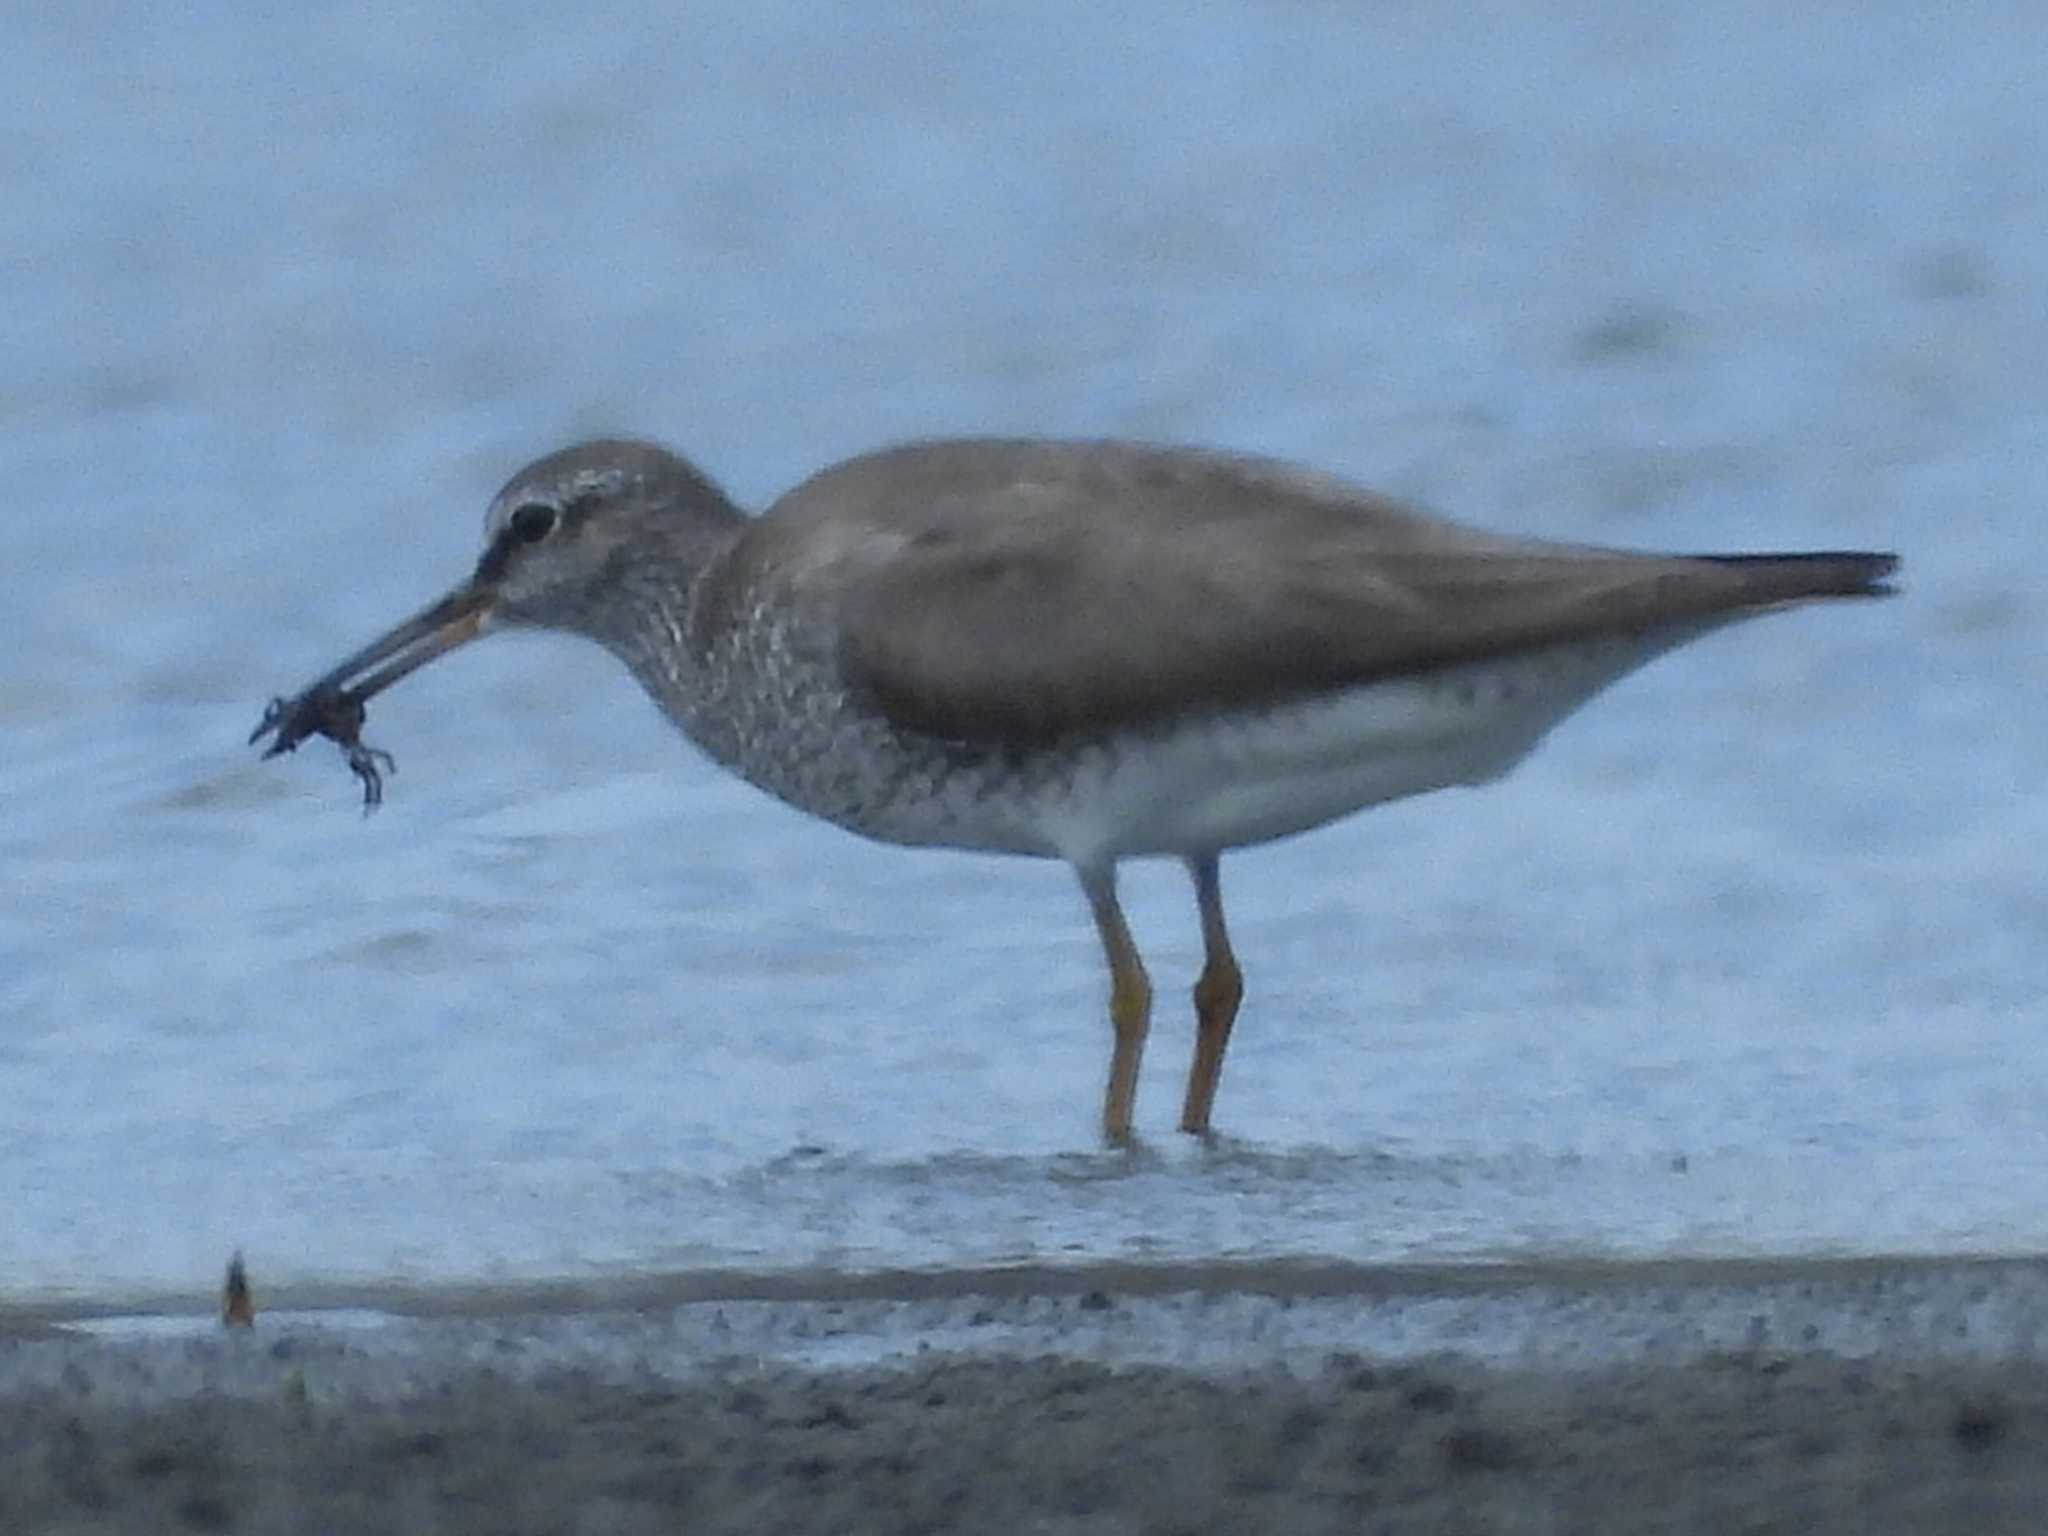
(1749, 959)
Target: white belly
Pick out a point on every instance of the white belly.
(1248, 777)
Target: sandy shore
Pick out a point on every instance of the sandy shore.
(582, 1423)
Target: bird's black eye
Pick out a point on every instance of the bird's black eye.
(531, 521)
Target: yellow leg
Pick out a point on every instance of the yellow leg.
(1217, 994)
(1130, 1003)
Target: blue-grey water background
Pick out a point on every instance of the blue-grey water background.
(1748, 960)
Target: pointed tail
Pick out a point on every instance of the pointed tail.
(1823, 573)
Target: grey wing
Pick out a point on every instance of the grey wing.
(1087, 587)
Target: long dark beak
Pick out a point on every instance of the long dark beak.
(434, 631)
(332, 705)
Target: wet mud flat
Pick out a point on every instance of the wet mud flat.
(599, 1423)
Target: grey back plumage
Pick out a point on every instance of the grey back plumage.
(1019, 591)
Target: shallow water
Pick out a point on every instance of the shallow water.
(1747, 960)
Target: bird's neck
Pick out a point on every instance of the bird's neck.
(659, 629)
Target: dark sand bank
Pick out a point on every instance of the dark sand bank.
(1800, 1444)
(593, 1424)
